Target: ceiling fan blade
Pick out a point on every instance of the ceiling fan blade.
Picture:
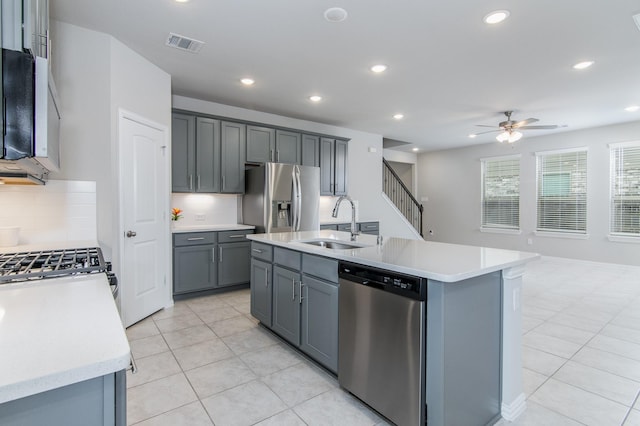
(484, 125)
(547, 127)
(488, 131)
(524, 122)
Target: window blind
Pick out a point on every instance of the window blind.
(501, 193)
(562, 191)
(625, 190)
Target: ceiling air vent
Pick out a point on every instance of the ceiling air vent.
(184, 43)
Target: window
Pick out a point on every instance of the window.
(562, 191)
(625, 189)
(501, 193)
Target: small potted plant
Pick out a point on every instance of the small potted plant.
(176, 214)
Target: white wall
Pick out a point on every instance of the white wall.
(365, 166)
(452, 182)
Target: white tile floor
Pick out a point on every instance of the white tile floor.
(207, 361)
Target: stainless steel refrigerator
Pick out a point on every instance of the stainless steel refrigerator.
(282, 198)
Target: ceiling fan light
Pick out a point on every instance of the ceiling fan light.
(503, 137)
(514, 137)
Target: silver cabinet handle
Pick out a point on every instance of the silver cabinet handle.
(301, 285)
(256, 250)
(277, 156)
(195, 238)
(220, 256)
(213, 255)
(270, 155)
(236, 236)
(131, 234)
(293, 289)
(198, 187)
(190, 182)
(223, 183)
(266, 277)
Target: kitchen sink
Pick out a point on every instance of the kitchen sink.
(333, 244)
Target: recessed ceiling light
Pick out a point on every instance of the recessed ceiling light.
(181, 1)
(335, 14)
(496, 17)
(583, 65)
(398, 116)
(632, 108)
(247, 81)
(472, 135)
(379, 68)
(315, 98)
(415, 149)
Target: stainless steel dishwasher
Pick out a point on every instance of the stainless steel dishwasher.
(381, 343)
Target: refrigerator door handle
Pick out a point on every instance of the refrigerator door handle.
(298, 200)
(294, 200)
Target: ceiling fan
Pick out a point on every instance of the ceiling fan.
(510, 129)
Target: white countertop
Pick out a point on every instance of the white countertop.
(438, 261)
(56, 332)
(176, 229)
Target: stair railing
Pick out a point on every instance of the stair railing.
(400, 195)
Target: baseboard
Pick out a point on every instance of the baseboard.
(511, 411)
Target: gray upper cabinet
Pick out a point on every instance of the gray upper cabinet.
(311, 150)
(183, 152)
(288, 147)
(207, 155)
(333, 166)
(233, 156)
(261, 144)
(340, 178)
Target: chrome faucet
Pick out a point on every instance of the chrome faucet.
(354, 229)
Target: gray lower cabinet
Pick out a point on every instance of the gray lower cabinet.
(95, 402)
(210, 260)
(261, 294)
(329, 227)
(194, 268)
(303, 304)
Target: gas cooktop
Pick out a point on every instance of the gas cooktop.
(34, 265)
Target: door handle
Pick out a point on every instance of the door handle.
(220, 255)
(293, 289)
(301, 285)
(131, 234)
(213, 255)
(266, 277)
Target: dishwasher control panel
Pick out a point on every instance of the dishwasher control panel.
(393, 282)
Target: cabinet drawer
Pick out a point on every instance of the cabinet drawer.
(373, 227)
(320, 267)
(194, 238)
(287, 258)
(261, 251)
(330, 227)
(233, 236)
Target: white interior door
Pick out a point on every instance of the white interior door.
(144, 193)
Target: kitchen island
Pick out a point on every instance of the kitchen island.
(63, 352)
(473, 312)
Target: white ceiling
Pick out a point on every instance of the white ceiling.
(448, 71)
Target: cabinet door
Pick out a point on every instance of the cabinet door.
(194, 268)
(261, 144)
(183, 147)
(234, 263)
(327, 164)
(207, 155)
(288, 147)
(286, 304)
(340, 183)
(310, 150)
(233, 157)
(261, 294)
(319, 334)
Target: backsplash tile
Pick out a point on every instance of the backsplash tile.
(58, 211)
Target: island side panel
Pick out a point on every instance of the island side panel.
(513, 397)
(463, 351)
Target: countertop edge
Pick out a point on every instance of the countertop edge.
(211, 228)
(371, 240)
